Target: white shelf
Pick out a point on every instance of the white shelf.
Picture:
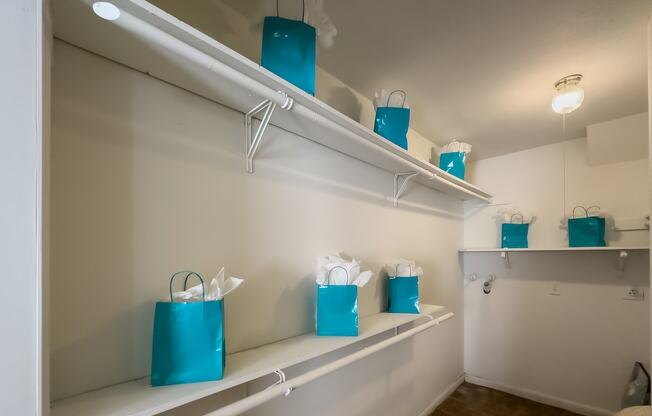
(500, 250)
(138, 398)
(146, 48)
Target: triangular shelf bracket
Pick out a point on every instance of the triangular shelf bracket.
(251, 145)
(401, 180)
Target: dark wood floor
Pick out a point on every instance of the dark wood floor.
(472, 400)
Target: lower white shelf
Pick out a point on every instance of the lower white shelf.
(499, 250)
(138, 398)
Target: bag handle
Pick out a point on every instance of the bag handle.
(185, 282)
(328, 276)
(399, 91)
(516, 214)
(303, 11)
(396, 272)
(586, 212)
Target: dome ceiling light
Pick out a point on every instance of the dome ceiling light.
(569, 95)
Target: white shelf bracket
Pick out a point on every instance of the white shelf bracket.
(505, 256)
(621, 260)
(401, 180)
(251, 145)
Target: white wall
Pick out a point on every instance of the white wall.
(576, 349)
(22, 132)
(618, 140)
(539, 182)
(148, 179)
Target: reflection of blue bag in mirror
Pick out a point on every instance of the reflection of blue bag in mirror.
(587, 231)
(188, 341)
(453, 163)
(403, 294)
(289, 51)
(514, 235)
(393, 123)
(337, 309)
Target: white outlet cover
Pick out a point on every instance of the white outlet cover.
(634, 293)
(555, 289)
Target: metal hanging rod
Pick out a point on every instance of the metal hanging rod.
(282, 389)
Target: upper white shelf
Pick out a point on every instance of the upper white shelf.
(149, 40)
(138, 398)
(499, 250)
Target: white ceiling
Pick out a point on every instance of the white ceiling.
(482, 70)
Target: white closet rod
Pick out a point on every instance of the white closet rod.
(157, 36)
(257, 399)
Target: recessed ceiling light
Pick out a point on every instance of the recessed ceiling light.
(569, 95)
(106, 10)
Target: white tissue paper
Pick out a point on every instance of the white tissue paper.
(314, 15)
(382, 99)
(333, 264)
(403, 268)
(215, 290)
(456, 146)
(510, 215)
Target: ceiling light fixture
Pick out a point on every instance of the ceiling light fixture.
(106, 10)
(569, 95)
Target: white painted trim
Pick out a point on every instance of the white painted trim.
(42, 99)
(443, 396)
(536, 396)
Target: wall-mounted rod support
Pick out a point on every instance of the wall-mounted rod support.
(505, 256)
(272, 392)
(268, 106)
(621, 260)
(401, 180)
(281, 379)
(251, 145)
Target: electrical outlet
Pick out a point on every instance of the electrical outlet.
(634, 293)
(555, 289)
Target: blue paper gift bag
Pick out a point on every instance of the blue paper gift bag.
(514, 235)
(337, 309)
(587, 231)
(188, 342)
(289, 51)
(403, 294)
(393, 123)
(453, 163)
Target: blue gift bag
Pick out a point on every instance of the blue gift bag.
(587, 231)
(403, 294)
(393, 123)
(188, 341)
(453, 163)
(514, 235)
(289, 51)
(337, 309)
